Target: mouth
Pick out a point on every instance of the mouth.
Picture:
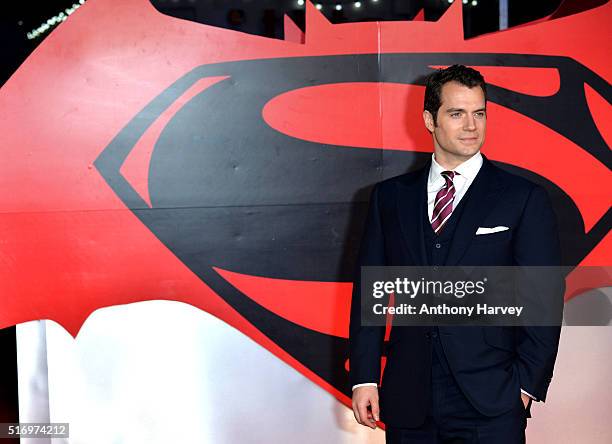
(469, 139)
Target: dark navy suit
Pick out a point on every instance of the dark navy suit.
(488, 365)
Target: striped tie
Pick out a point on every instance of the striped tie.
(443, 207)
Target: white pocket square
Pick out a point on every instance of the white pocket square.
(485, 230)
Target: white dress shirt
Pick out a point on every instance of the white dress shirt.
(466, 173)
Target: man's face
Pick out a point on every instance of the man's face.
(461, 124)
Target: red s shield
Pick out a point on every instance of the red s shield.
(146, 157)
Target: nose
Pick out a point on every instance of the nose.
(470, 123)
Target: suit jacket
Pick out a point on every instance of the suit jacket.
(490, 364)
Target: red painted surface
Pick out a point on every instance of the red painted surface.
(68, 245)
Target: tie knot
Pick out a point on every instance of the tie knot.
(448, 174)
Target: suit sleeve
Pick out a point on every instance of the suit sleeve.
(536, 243)
(366, 342)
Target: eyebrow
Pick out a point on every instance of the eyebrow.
(454, 110)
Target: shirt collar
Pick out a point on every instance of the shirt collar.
(468, 169)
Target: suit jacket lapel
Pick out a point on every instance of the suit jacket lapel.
(482, 196)
(411, 202)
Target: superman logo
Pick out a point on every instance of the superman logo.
(235, 177)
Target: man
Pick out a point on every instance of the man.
(454, 384)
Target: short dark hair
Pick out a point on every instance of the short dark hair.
(457, 73)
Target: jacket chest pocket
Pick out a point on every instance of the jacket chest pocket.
(499, 237)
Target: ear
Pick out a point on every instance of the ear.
(429, 121)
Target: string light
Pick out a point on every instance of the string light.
(474, 2)
(319, 6)
(338, 7)
(357, 4)
(61, 17)
(300, 2)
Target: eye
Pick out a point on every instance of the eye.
(455, 115)
(480, 114)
